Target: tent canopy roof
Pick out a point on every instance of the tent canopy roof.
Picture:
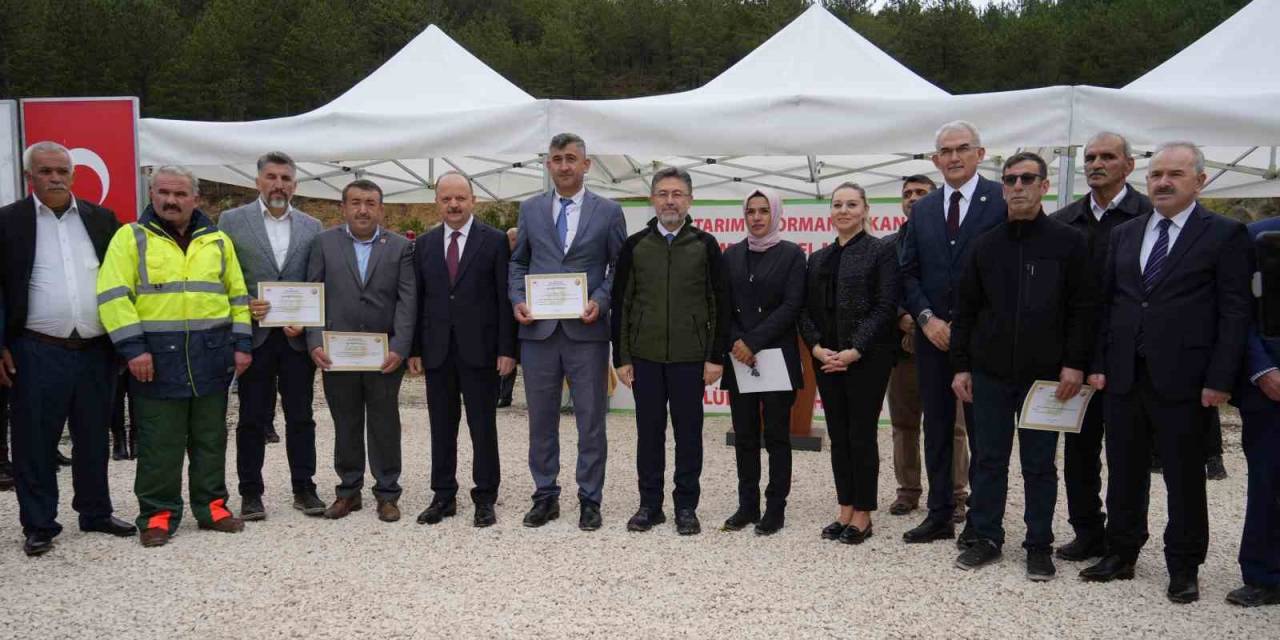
(1238, 55)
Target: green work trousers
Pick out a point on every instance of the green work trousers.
(196, 427)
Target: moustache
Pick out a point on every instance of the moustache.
(171, 207)
(1100, 172)
(1166, 191)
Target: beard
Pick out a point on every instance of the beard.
(670, 219)
(277, 202)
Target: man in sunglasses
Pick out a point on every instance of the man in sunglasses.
(1028, 311)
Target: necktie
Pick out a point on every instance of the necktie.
(1155, 261)
(671, 237)
(953, 216)
(562, 222)
(451, 256)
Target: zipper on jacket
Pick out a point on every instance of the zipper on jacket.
(186, 317)
(669, 246)
(1017, 314)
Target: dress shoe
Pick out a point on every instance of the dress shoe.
(388, 511)
(854, 535)
(902, 507)
(113, 526)
(741, 518)
(966, 538)
(154, 537)
(439, 510)
(484, 517)
(37, 544)
(229, 524)
(646, 519)
(342, 507)
(1184, 587)
(251, 509)
(308, 503)
(833, 530)
(6, 477)
(271, 436)
(1213, 469)
(1040, 566)
(589, 517)
(928, 531)
(1253, 596)
(1082, 548)
(772, 521)
(979, 554)
(542, 512)
(504, 402)
(63, 460)
(687, 522)
(1110, 567)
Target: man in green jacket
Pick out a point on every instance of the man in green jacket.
(670, 329)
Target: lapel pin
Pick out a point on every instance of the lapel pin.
(982, 199)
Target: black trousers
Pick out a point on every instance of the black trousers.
(4, 424)
(851, 402)
(365, 405)
(449, 387)
(749, 411)
(939, 402)
(276, 365)
(507, 385)
(679, 386)
(1082, 473)
(1136, 421)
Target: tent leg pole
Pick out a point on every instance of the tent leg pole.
(1066, 176)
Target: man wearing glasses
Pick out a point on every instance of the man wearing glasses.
(1028, 307)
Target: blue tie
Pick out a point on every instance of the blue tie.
(562, 222)
(1155, 261)
(671, 237)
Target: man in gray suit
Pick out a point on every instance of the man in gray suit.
(370, 287)
(567, 230)
(273, 243)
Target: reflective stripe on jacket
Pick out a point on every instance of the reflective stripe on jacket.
(190, 310)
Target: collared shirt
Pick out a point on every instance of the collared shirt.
(1153, 232)
(462, 237)
(64, 277)
(363, 249)
(966, 196)
(571, 214)
(278, 231)
(1099, 210)
(663, 230)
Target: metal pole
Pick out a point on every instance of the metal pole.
(1066, 176)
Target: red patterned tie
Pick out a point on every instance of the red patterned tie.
(451, 256)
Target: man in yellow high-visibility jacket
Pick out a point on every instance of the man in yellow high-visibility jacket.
(173, 300)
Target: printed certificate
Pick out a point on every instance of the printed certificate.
(300, 304)
(556, 295)
(349, 351)
(1041, 409)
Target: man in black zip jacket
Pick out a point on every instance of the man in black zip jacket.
(1027, 312)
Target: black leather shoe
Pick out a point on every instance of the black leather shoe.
(271, 436)
(112, 525)
(63, 460)
(741, 518)
(504, 402)
(309, 503)
(6, 477)
(687, 522)
(1082, 548)
(37, 545)
(1252, 596)
(485, 517)
(1040, 566)
(928, 531)
(589, 516)
(543, 511)
(966, 538)
(772, 521)
(440, 509)
(833, 530)
(251, 509)
(854, 535)
(1184, 587)
(646, 519)
(979, 554)
(1111, 567)
(1214, 470)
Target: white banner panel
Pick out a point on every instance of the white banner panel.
(10, 154)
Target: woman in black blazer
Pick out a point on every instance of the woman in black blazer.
(851, 301)
(766, 290)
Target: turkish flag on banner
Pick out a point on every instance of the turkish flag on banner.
(102, 134)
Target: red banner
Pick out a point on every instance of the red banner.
(102, 134)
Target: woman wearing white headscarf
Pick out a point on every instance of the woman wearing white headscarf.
(766, 291)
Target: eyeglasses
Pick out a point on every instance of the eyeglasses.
(1027, 179)
(672, 195)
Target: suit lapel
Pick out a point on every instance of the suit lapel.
(349, 256)
(258, 225)
(375, 255)
(584, 217)
(972, 218)
(27, 232)
(1195, 226)
(1134, 266)
(475, 242)
(296, 229)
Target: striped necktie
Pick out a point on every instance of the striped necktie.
(1158, 257)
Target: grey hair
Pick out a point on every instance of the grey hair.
(45, 146)
(1183, 144)
(465, 177)
(958, 125)
(562, 140)
(277, 157)
(1128, 151)
(175, 170)
(671, 172)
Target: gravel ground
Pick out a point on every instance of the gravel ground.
(296, 577)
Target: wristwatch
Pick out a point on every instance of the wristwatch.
(923, 318)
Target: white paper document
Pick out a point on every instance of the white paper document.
(1041, 409)
(769, 374)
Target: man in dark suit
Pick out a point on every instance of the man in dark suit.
(1176, 315)
(56, 351)
(465, 340)
(932, 252)
(1110, 202)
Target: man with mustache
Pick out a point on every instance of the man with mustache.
(1175, 319)
(273, 242)
(173, 300)
(1108, 161)
(670, 330)
(56, 361)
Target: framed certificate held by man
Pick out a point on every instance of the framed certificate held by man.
(554, 296)
(297, 304)
(350, 351)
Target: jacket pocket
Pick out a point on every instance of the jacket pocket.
(169, 358)
(1042, 285)
(699, 331)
